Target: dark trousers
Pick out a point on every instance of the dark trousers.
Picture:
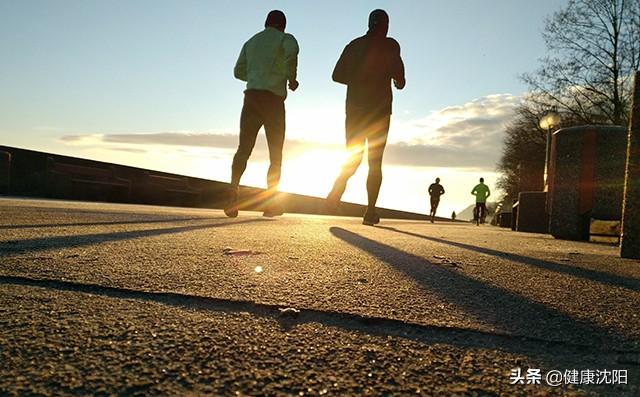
(261, 108)
(434, 204)
(480, 210)
(362, 127)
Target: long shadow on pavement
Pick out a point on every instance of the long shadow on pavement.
(541, 351)
(9, 248)
(594, 275)
(145, 211)
(349, 321)
(105, 223)
(489, 304)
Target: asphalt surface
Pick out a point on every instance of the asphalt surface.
(106, 299)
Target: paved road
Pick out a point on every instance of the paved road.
(102, 299)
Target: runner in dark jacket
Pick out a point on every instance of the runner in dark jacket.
(367, 66)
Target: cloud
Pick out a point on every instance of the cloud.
(81, 139)
(223, 141)
(438, 156)
(465, 136)
(128, 150)
(479, 118)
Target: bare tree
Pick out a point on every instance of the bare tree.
(521, 166)
(593, 50)
(522, 163)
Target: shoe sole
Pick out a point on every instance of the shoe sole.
(231, 213)
(370, 223)
(332, 207)
(271, 215)
(231, 210)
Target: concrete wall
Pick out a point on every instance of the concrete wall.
(5, 171)
(34, 174)
(586, 178)
(532, 216)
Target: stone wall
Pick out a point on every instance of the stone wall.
(34, 174)
(586, 178)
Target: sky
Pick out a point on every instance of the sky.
(149, 83)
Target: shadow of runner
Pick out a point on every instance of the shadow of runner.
(9, 248)
(594, 275)
(486, 303)
(429, 334)
(552, 355)
(105, 223)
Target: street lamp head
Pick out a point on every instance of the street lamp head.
(550, 120)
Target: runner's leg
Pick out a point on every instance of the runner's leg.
(275, 131)
(250, 123)
(376, 142)
(355, 146)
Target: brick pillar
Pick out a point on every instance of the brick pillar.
(630, 243)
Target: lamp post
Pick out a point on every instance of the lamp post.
(550, 120)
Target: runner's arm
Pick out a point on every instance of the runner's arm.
(341, 73)
(291, 50)
(240, 70)
(397, 66)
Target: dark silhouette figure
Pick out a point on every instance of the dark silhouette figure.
(435, 191)
(367, 66)
(266, 62)
(482, 192)
(453, 216)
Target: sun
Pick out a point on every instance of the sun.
(312, 172)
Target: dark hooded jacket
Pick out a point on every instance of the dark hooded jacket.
(367, 66)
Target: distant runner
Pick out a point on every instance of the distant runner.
(482, 192)
(435, 191)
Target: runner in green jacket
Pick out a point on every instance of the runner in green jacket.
(482, 192)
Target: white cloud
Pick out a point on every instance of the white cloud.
(468, 135)
(484, 116)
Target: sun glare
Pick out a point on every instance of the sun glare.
(312, 172)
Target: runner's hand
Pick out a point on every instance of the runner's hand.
(293, 85)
